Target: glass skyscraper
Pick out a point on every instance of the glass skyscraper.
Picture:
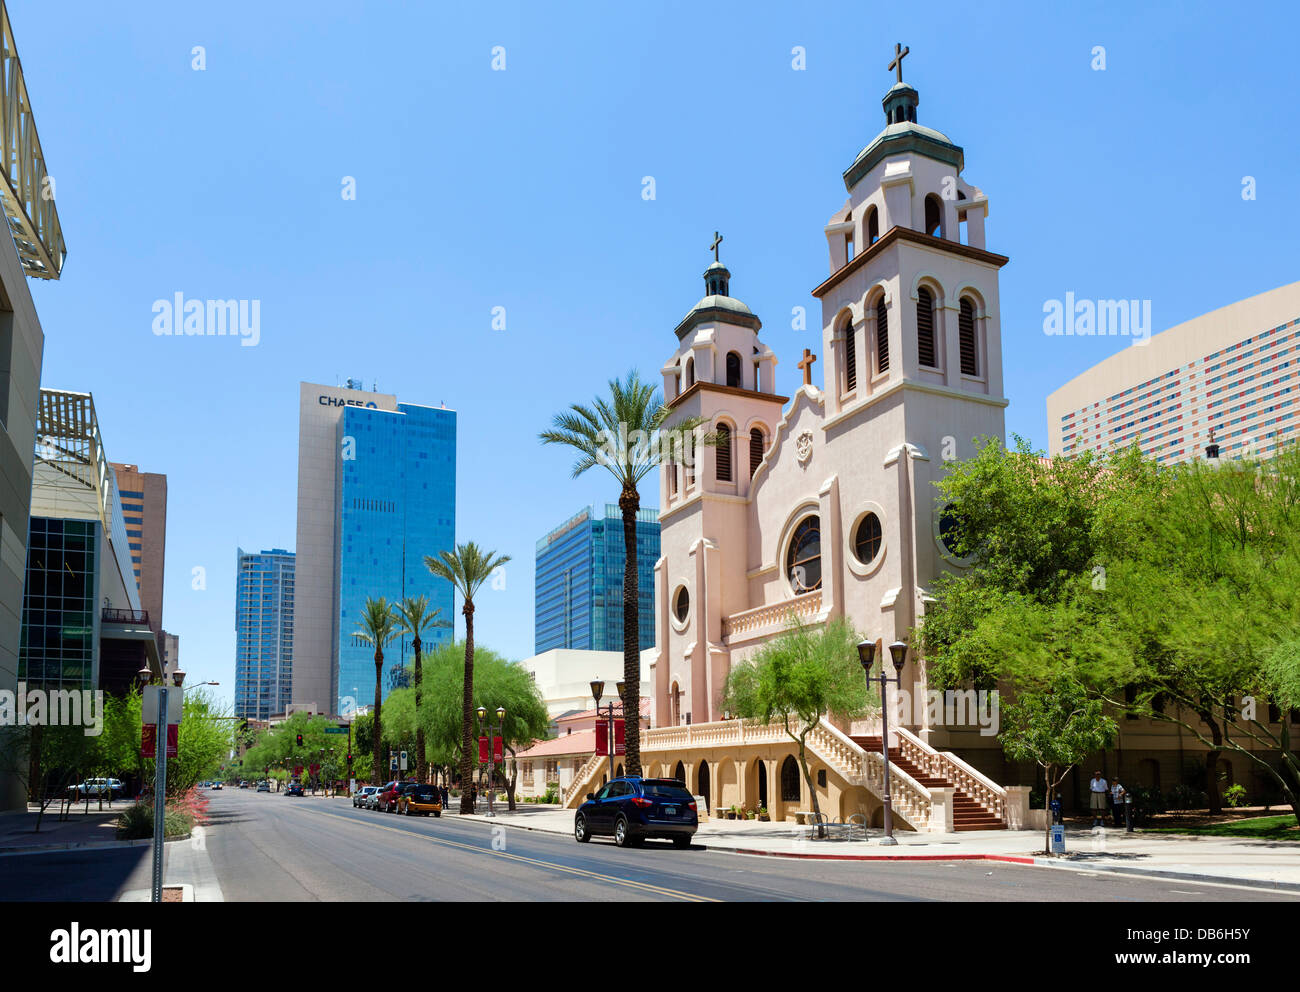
(579, 599)
(264, 595)
(396, 504)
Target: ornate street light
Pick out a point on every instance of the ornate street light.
(866, 656)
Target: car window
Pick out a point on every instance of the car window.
(618, 789)
(603, 793)
(663, 791)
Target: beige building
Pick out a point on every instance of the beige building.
(564, 676)
(1234, 371)
(144, 509)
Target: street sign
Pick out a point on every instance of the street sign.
(392, 763)
(1058, 838)
(149, 705)
(336, 730)
(149, 740)
(403, 761)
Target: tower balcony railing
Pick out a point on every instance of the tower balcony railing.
(125, 616)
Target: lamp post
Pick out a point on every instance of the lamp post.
(145, 677)
(866, 655)
(598, 691)
(499, 730)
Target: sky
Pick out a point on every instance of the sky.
(524, 186)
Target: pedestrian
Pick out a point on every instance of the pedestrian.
(445, 797)
(1099, 791)
(1117, 803)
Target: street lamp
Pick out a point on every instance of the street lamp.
(598, 691)
(499, 731)
(867, 655)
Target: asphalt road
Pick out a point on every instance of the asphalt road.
(271, 847)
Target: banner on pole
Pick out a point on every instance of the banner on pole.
(149, 740)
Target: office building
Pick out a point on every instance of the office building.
(144, 508)
(579, 581)
(264, 632)
(376, 493)
(1234, 371)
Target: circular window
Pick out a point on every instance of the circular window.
(682, 605)
(951, 529)
(867, 539)
(803, 562)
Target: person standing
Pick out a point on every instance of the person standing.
(1117, 803)
(1099, 796)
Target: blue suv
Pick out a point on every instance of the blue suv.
(632, 809)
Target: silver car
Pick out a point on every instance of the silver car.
(364, 797)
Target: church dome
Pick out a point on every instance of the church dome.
(717, 303)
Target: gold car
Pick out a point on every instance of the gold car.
(421, 799)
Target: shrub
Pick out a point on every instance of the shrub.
(1235, 796)
(136, 822)
(1183, 797)
(1146, 804)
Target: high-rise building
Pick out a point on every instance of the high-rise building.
(264, 633)
(83, 625)
(171, 655)
(579, 581)
(144, 508)
(1234, 371)
(376, 494)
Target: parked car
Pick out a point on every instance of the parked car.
(263, 786)
(386, 800)
(111, 788)
(216, 785)
(632, 809)
(419, 798)
(293, 789)
(362, 796)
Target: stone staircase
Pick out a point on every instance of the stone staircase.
(968, 812)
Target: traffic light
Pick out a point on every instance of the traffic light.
(349, 757)
(300, 740)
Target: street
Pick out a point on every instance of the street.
(274, 848)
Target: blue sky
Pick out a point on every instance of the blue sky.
(522, 189)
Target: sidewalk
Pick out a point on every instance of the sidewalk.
(1233, 860)
(80, 830)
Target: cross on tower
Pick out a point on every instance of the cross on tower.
(899, 53)
(717, 240)
(806, 363)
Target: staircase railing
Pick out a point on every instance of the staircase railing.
(908, 797)
(582, 778)
(946, 765)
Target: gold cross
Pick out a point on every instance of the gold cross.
(899, 52)
(717, 240)
(806, 364)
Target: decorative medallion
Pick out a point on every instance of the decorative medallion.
(803, 447)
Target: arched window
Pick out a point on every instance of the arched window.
(671, 469)
(933, 215)
(803, 561)
(848, 240)
(882, 335)
(733, 369)
(704, 781)
(724, 453)
(925, 328)
(950, 531)
(970, 362)
(790, 780)
(679, 773)
(757, 446)
(867, 539)
(850, 357)
(873, 226)
(690, 372)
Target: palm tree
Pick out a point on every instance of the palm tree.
(414, 617)
(466, 568)
(377, 626)
(625, 433)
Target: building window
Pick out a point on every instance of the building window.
(850, 357)
(682, 605)
(756, 448)
(790, 780)
(933, 216)
(950, 531)
(690, 372)
(966, 331)
(724, 453)
(882, 336)
(733, 369)
(925, 327)
(803, 561)
(867, 539)
(873, 226)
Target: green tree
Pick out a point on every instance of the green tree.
(626, 433)
(377, 627)
(414, 617)
(466, 568)
(1055, 726)
(799, 677)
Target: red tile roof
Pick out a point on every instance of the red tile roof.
(578, 742)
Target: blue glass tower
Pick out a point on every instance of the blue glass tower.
(263, 633)
(579, 597)
(396, 503)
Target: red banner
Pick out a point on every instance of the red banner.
(314, 769)
(297, 770)
(149, 740)
(483, 750)
(602, 737)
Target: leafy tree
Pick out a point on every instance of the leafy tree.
(414, 617)
(466, 568)
(378, 627)
(623, 434)
(799, 677)
(1055, 726)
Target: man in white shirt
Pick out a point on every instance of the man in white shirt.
(1117, 803)
(1099, 798)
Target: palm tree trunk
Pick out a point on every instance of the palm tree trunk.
(376, 735)
(421, 766)
(467, 712)
(629, 502)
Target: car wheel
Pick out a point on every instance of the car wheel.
(439, 815)
(623, 833)
(580, 832)
(681, 842)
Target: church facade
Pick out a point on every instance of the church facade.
(822, 505)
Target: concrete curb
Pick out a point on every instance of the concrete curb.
(90, 845)
(1170, 874)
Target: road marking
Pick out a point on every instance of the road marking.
(581, 872)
